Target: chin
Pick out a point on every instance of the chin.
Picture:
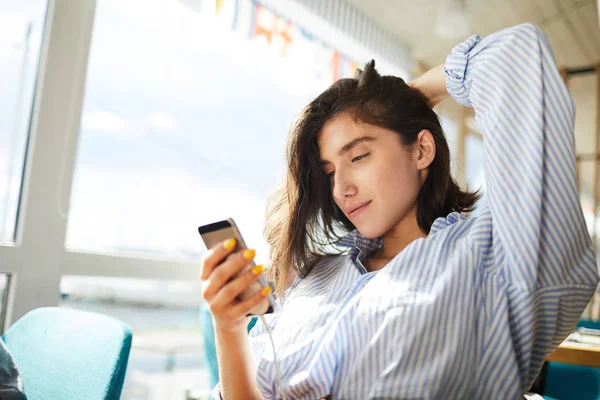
(370, 232)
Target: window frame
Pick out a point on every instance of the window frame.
(38, 259)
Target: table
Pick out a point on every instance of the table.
(569, 352)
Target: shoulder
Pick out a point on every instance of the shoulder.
(326, 264)
(457, 227)
(441, 224)
(323, 269)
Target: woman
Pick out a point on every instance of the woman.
(425, 303)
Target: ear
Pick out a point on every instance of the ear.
(425, 147)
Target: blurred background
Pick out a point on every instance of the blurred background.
(124, 125)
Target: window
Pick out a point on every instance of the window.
(185, 118)
(21, 30)
(474, 167)
(4, 290)
(451, 133)
(474, 161)
(587, 159)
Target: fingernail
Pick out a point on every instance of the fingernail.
(266, 290)
(258, 269)
(249, 254)
(229, 244)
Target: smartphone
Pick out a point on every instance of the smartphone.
(217, 232)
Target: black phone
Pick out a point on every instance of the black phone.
(217, 232)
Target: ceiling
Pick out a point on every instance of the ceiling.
(571, 25)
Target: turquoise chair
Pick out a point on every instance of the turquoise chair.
(66, 354)
(573, 382)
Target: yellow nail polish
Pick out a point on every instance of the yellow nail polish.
(249, 254)
(229, 244)
(258, 269)
(266, 290)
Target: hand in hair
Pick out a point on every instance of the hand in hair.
(432, 84)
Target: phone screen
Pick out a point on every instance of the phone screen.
(215, 233)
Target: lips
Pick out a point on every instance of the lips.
(354, 209)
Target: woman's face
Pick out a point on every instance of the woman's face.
(375, 180)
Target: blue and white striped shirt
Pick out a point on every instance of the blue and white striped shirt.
(472, 310)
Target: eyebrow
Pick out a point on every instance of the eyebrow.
(348, 146)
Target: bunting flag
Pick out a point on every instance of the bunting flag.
(278, 32)
(219, 5)
(281, 36)
(261, 22)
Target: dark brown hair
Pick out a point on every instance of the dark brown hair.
(303, 221)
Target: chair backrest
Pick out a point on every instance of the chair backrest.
(573, 382)
(67, 354)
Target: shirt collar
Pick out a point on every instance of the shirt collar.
(365, 246)
(442, 223)
(362, 247)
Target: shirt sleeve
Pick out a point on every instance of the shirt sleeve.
(526, 116)
(216, 393)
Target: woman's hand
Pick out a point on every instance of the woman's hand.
(432, 84)
(219, 265)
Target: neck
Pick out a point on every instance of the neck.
(399, 237)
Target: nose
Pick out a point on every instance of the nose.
(343, 186)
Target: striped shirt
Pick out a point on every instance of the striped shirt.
(472, 310)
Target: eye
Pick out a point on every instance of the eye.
(358, 158)
(331, 174)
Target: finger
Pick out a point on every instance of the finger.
(244, 307)
(214, 256)
(231, 266)
(233, 289)
(226, 270)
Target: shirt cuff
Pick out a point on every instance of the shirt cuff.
(455, 70)
(216, 393)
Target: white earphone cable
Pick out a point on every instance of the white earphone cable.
(279, 385)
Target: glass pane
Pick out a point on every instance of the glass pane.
(474, 167)
(21, 31)
(167, 356)
(4, 289)
(451, 133)
(189, 126)
(585, 175)
(584, 96)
